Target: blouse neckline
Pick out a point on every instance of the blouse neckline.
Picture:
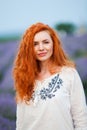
(51, 76)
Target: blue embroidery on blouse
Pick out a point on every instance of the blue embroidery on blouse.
(53, 86)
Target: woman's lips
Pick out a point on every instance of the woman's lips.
(42, 54)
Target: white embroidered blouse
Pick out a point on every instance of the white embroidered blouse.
(58, 103)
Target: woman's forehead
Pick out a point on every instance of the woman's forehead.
(42, 35)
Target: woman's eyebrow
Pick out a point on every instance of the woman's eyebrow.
(45, 40)
(35, 41)
(42, 40)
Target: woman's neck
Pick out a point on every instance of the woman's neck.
(47, 70)
(44, 67)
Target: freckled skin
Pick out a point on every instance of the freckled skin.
(43, 46)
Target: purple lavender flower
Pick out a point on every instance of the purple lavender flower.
(6, 124)
(7, 106)
(81, 67)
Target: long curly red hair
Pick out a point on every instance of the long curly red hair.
(26, 67)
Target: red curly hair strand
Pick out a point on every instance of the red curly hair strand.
(26, 67)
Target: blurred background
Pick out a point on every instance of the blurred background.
(68, 17)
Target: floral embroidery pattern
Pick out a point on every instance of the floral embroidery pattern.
(53, 86)
(48, 92)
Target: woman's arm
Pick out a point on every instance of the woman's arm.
(19, 116)
(78, 103)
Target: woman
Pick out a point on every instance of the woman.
(49, 91)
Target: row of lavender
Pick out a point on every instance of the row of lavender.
(75, 47)
(7, 99)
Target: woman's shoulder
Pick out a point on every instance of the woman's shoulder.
(66, 71)
(69, 69)
(70, 72)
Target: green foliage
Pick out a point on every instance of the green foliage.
(7, 90)
(8, 113)
(1, 76)
(7, 38)
(69, 28)
(80, 53)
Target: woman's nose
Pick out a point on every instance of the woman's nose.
(41, 47)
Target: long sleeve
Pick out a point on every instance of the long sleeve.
(19, 116)
(78, 103)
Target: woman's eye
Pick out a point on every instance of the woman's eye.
(35, 43)
(46, 42)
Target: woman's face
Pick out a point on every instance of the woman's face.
(43, 46)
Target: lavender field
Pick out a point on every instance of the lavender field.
(75, 46)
